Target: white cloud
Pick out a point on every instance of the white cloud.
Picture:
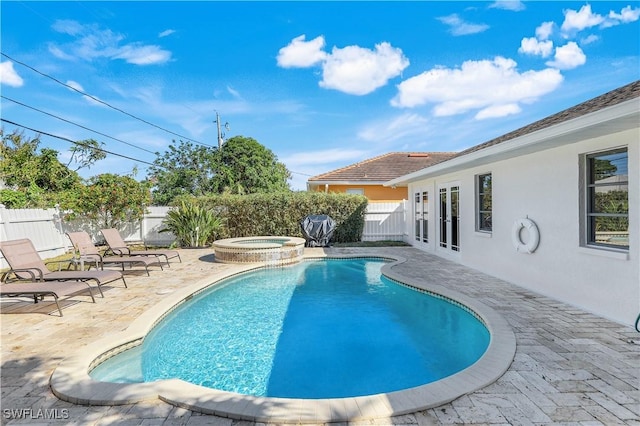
(143, 54)
(9, 76)
(626, 15)
(592, 38)
(67, 26)
(568, 57)
(77, 86)
(544, 30)
(532, 46)
(359, 71)
(302, 54)
(497, 111)
(491, 87)
(353, 69)
(575, 21)
(166, 33)
(91, 42)
(513, 5)
(458, 27)
(234, 93)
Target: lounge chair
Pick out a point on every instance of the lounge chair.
(88, 254)
(118, 246)
(41, 289)
(25, 264)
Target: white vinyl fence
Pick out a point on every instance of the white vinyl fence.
(385, 221)
(46, 229)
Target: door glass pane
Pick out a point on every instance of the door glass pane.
(425, 217)
(418, 216)
(455, 219)
(443, 217)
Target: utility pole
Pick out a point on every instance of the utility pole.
(220, 134)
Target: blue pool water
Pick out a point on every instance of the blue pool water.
(319, 329)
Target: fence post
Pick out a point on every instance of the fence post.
(3, 230)
(57, 219)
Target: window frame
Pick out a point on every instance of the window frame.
(588, 212)
(354, 191)
(480, 196)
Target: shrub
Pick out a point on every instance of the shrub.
(193, 226)
(281, 213)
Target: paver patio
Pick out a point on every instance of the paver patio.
(571, 367)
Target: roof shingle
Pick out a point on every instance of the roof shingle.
(384, 167)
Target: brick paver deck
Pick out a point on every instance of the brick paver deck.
(571, 367)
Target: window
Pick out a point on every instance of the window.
(484, 203)
(357, 191)
(607, 199)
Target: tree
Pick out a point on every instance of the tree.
(85, 153)
(110, 200)
(37, 175)
(244, 166)
(185, 169)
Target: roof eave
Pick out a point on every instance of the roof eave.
(345, 182)
(617, 118)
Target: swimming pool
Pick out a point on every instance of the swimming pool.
(319, 329)
(71, 381)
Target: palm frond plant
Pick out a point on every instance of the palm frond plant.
(192, 225)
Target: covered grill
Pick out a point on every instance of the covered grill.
(317, 230)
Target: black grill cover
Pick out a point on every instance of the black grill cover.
(317, 230)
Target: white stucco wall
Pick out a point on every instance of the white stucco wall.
(545, 186)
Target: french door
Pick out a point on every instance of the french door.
(449, 217)
(421, 214)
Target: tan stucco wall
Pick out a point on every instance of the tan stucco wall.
(372, 192)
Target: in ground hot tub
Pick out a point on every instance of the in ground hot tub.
(268, 249)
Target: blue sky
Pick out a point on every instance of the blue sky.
(321, 84)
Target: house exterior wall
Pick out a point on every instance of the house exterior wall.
(372, 192)
(545, 187)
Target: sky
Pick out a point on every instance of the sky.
(321, 84)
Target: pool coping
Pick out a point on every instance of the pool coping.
(71, 382)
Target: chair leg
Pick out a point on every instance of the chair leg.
(55, 297)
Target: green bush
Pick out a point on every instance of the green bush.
(281, 213)
(192, 225)
(13, 199)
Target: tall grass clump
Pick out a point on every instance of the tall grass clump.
(193, 225)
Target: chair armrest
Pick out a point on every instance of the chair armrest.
(59, 262)
(119, 251)
(31, 271)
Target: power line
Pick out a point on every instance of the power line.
(75, 142)
(76, 124)
(102, 102)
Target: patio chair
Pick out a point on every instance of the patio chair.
(42, 289)
(25, 264)
(88, 254)
(118, 246)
